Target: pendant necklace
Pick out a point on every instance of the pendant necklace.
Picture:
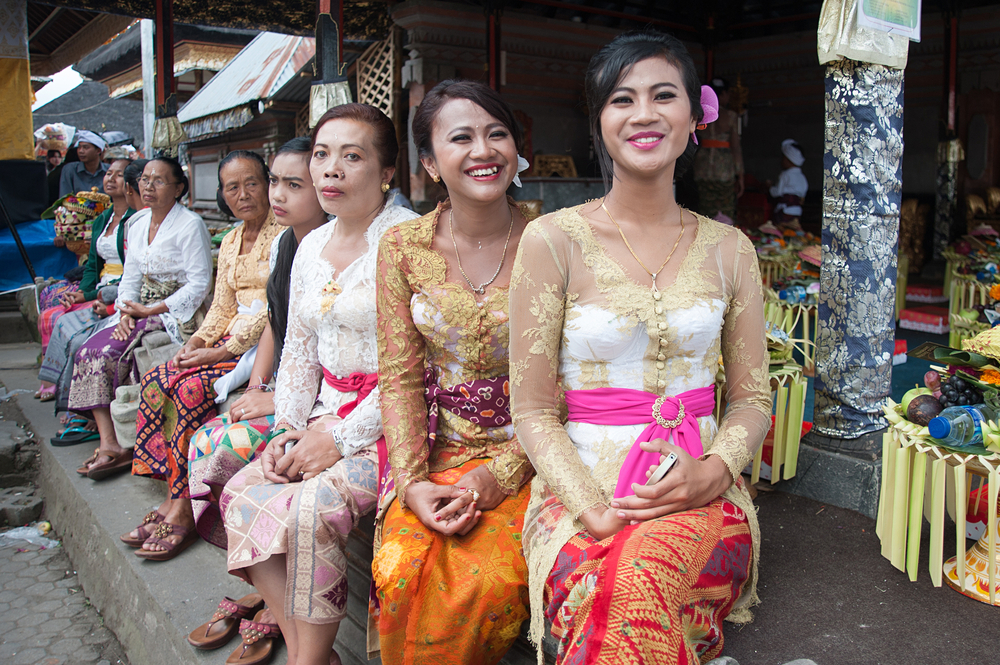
(652, 275)
(481, 289)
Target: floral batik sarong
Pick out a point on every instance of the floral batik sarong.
(461, 598)
(173, 405)
(308, 521)
(218, 451)
(656, 592)
(103, 364)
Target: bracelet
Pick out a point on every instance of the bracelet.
(260, 386)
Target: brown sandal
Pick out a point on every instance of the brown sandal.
(87, 462)
(165, 530)
(145, 530)
(116, 464)
(258, 642)
(225, 623)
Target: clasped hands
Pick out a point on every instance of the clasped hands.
(691, 483)
(130, 311)
(313, 453)
(453, 509)
(195, 353)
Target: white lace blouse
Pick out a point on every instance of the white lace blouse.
(181, 252)
(331, 325)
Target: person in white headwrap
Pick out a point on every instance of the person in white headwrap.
(792, 185)
(89, 172)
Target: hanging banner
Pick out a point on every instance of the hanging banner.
(897, 17)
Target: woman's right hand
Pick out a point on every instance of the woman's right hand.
(252, 404)
(425, 499)
(602, 522)
(67, 300)
(125, 327)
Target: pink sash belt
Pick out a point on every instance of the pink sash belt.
(666, 415)
(363, 383)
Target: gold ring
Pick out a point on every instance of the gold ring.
(663, 422)
(475, 494)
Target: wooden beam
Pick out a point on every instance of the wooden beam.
(163, 45)
(41, 26)
(609, 12)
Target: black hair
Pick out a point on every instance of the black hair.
(280, 280)
(249, 155)
(479, 94)
(384, 132)
(52, 153)
(613, 62)
(133, 172)
(176, 171)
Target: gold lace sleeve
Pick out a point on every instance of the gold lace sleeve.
(538, 299)
(224, 305)
(744, 355)
(511, 469)
(401, 355)
(244, 340)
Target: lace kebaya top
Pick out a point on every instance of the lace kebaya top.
(428, 319)
(331, 325)
(241, 280)
(581, 320)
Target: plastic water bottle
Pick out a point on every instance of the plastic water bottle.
(960, 425)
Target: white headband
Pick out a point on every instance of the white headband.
(790, 149)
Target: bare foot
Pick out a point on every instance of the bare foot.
(179, 513)
(267, 616)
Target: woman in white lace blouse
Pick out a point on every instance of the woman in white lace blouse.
(326, 401)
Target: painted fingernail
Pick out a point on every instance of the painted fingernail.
(462, 489)
(437, 518)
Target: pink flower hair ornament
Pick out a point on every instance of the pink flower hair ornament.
(709, 107)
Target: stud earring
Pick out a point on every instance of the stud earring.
(437, 178)
(385, 187)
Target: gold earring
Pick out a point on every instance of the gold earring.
(385, 187)
(437, 178)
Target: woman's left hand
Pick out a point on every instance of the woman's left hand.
(187, 358)
(69, 299)
(691, 483)
(484, 483)
(313, 453)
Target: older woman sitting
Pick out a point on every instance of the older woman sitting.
(178, 397)
(168, 272)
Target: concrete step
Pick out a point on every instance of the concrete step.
(152, 607)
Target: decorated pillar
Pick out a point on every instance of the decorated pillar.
(16, 139)
(329, 87)
(862, 189)
(168, 134)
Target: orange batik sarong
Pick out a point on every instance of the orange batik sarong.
(656, 592)
(458, 599)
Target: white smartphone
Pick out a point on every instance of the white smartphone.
(662, 470)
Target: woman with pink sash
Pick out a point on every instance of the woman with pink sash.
(623, 306)
(289, 512)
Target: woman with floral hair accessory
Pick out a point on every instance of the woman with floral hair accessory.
(622, 306)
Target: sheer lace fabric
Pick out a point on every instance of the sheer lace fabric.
(582, 320)
(241, 281)
(428, 319)
(337, 336)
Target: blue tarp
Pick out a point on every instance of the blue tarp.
(47, 259)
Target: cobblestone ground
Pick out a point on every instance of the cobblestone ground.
(44, 616)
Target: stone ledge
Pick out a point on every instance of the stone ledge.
(839, 479)
(152, 607)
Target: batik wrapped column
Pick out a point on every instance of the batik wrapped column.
(950, 153)
(862, 173)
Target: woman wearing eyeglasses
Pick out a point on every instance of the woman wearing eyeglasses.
(167, 274)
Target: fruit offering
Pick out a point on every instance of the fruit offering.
(933, 381)
(957, 392)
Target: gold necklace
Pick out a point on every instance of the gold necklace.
(652, 275)
(481, 289)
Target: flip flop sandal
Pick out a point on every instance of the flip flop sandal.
(46, 394)
(165, 530)
(72, 436)
(117, 464)
(87, 462)
(258, 642)
(149, 523)
(225, 623)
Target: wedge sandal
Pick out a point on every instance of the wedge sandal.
(225, 623)
(259, 640)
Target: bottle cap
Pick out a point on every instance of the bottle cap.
(939, 428)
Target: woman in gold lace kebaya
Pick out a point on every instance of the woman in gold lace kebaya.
(449, 573)
(625, 304)
(178, 397)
